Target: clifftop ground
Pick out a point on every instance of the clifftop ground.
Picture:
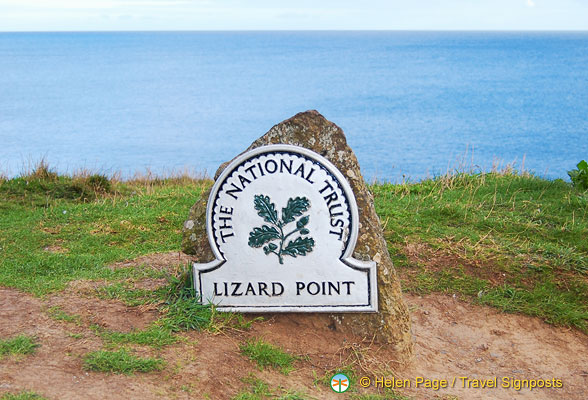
(90, 266)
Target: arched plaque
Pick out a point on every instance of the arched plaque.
(282, 222)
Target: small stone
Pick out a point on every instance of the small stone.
(426, 312)
(377, 258)
(478, 360)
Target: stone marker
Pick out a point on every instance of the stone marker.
(296, 230)
(282, 223)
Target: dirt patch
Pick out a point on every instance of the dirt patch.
(453, 339)
(156, 261)
(56, 249)
(423, 255)
(108, 314)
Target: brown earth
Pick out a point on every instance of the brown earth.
(453, 339)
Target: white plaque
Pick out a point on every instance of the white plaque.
(282, 222)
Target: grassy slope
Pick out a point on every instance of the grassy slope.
(52, 233)
(515, 242)
(518, 243)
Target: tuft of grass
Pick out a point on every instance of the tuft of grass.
(75, 335)
(57, 313)
(292, 395)
(21, 344)
(187, 314)
(347, 370)
(258, 390)
(154, 336)
(22, 396)
(42, 171)
(184, 311)
(268, 355)
(125, 292)
(99, 183)
(120, 362)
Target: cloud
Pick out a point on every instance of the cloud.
(530, 3)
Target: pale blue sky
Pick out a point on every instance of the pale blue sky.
(64, 15)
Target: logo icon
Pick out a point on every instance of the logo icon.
(340, 383)
(267, 233)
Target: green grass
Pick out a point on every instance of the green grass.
(125, 292)
(58, 314)
(347, 370)
(22, 396)
(120, 362)
(180, 312)
(42, 212)
(19, 345)
(514, 242)
(154, 336)
(268, 355)
(292, 395)
(260, 390)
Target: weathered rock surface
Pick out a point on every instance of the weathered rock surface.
(311, 130)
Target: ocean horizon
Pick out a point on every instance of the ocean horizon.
(413, 104)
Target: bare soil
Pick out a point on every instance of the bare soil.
(453, 339)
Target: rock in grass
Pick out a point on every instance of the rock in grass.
(311, 130)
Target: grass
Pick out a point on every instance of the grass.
(512, 241)
(120, 362)
(260, 390)
(515, 242)
(22, 396)
(154, 336)
(268, 355)
(19, 345)
(183, 313)
(53, 232)
(125, 292)
(348, 370)
(57, 313)
(180, 312)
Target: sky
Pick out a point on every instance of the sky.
(117, 15)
